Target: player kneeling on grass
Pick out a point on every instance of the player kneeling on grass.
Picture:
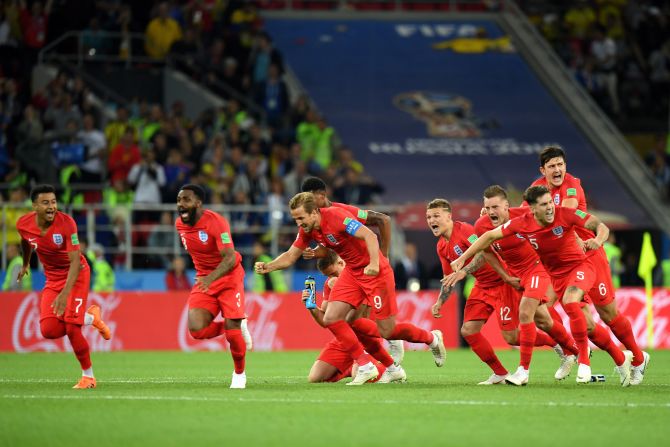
(334, 362)
(53, 236)
(367, 276)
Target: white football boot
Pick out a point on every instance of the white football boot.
(583, 373)
(239, 381)
(637, 372)
(567, 362)
(394, 373)
(397, 350)
(365, 373)
(519, 378)
(437, 348)
(624, 369)
(495, 379)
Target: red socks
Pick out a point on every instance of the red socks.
(578, 329)
(554, 314)
(484, 351)
(366, 326)
(558, 333)
(339, 375)
(347, 338)
(79, 344)
(411, 333)
(214, 329)
(621, 328)
(374, 347)
(542, 339)
(238, 348)
(528, 336)
(601, 338)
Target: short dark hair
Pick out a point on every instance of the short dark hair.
(41, 189)
(198, 190)
(439, 203)
(495, 191)
(330, 259)
(311, 184)
(533, 193)
(550, 152)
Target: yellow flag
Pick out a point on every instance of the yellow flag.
(644, 271)
(647, 258)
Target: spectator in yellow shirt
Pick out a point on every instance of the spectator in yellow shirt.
(161, 33)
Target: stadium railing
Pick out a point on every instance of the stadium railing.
(132, 234)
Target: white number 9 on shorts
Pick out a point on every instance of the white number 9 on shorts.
(377, 301)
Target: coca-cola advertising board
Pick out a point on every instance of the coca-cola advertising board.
(158, 320)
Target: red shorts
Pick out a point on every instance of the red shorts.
(535, 283)
(581, 276)
(483, 302)
(508, 307)
(334, 354)
(602, 292)
(76, 302)
(376, 291)
(228, 299)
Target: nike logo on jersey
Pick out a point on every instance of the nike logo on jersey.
(31, 239)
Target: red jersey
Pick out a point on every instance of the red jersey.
(463, 236)
(204, 242)
(515, 250)
(571, 189)
(336, 232)
(53, 247)
(556, 243)
(361, 215)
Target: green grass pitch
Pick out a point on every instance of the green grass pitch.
(183, 399)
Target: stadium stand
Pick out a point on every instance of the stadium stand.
(94, 107)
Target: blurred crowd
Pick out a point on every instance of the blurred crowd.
(141, 153)
(619, 50)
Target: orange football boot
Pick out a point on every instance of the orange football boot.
(85, 382)
(98, 323)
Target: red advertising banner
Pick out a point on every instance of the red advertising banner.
(143, 321)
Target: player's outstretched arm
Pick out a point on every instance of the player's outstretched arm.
(601, 230)
(315, 253)
(26, 253)
(445, 293)
(364, 233)
(494, 262)
(73, 273)
(316, 313)
(284, 260)
(480, 244)
(383, 222)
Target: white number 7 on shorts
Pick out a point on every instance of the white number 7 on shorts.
(79, 301)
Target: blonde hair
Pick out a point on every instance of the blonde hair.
(439, 203)
(304, 199)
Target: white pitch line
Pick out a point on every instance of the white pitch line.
(482, 403)
(150, 380)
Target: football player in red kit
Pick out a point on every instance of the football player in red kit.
(219, 283)
(53, 236)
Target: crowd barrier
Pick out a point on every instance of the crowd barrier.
(157, 321)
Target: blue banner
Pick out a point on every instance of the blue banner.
(441, 108)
